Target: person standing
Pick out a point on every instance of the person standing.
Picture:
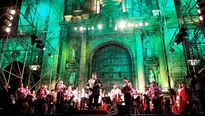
(60, 89)
(94, 85)
(127, 91)
(154, 93)
(41, 101)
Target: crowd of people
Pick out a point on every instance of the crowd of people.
(152, 100)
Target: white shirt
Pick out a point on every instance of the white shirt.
(114, 92)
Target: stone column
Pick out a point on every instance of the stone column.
(140, 62)
(163, 80)
(82, 66)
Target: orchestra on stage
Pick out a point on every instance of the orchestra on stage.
(151, 100)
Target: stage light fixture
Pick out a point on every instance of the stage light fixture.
(200, 4)
(100, 26)
(171, 50)
(181, 36)
(50, 54)
(122, 24)
(146, 23)
(34, 39)
(8, 29)
(81, 28)
(9, 16)
(40, 45)
(8, 22)
(140, 24)
(12, 11)
(75, 28)
(92, 28)
(136, 25)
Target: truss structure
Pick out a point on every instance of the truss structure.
(25, 60)
(188, 56)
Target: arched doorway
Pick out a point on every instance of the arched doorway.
(112, 62)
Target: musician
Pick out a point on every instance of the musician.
(115, 94)
(68, 95)
(181, 98)
(60, 89)
(41, 95)
(51, 100)
(84, 99)
(127, 91)
(146, 100)
(27, 90)
(154, 94)
(20, 95)
(76, 97)
(21, 92)
(94, 85)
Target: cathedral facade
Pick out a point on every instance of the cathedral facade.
(69, 39)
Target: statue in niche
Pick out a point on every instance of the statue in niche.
(72, 77)
(151, 76)
(148, 49)
(72, 53)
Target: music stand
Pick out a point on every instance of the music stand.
(107, 100)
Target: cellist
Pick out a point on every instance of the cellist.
(115, 94)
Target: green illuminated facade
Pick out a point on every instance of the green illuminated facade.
(115, 38)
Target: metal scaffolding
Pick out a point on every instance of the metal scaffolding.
(20, 51)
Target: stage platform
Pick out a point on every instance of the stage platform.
(95, 113)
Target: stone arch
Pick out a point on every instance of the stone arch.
(111, 42)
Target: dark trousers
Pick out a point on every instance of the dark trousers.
(201, 100)
(127, 98)
(95, 97)
(59, 102)
(157, 106)
(41, 106)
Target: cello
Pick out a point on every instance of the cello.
(116, 99)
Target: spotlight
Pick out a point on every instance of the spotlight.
(136, 25)
(92, 28)
(200, 4)
(140, 24)
(181, 36)
(50, 54)
(172, 50)
(75, 28)
(122, 24)
(9, 16)
(8, 29)
(34, 39)
(146, 23)
(81, 28)
(100, 26)
(40, 44)
(179, 39)
(8, 22)
(129, 24)
(12, 11)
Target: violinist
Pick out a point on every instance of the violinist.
(115, 94)
(154, 93)
(127, 91)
